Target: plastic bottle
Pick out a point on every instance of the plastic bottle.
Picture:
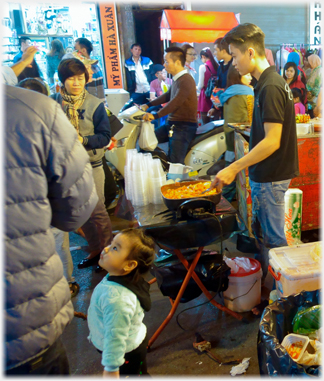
(164, 87)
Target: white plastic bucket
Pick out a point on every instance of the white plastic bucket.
(244, 288)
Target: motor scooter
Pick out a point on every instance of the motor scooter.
(205, 150)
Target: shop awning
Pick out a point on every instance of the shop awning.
(196, 26)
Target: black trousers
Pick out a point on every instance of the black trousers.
(110, 188)
(135, 361)
(53, 361)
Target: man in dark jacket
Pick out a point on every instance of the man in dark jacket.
(31, 71)
(49, 182)
(221, 51)
(139, 74)
(224, 59)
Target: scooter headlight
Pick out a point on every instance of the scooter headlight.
(121, 142)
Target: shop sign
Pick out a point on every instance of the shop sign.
(315, 23)
(110, 42)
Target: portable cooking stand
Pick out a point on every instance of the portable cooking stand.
(189, 227)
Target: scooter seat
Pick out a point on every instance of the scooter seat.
(206, 135)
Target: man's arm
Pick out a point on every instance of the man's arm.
(163, 98)
(25, 61)
(128, 79)
(261, 151)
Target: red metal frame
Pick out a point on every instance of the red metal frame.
(175, 303)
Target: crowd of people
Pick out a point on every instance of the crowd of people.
(55, 147)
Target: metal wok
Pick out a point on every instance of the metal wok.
(173, 204)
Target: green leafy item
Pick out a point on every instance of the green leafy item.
(307, 320)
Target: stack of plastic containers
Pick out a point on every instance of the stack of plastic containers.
(157, 178)
(127, 173)
(144, 177)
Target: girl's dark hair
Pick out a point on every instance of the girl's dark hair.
(56, 47)
(71, 67)
(33, 84)
(206, 52)
(233, 77)
(142, 250)
(294, 66)
(297, 93)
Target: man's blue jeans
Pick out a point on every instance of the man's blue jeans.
(268, 217)
(183, 134)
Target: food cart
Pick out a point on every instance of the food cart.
(308, 180)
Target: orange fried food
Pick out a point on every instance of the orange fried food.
(188, 191)
(295, 349)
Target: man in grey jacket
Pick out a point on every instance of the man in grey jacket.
(48, 182)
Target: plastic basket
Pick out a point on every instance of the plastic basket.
(293, 338)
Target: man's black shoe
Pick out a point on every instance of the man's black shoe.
(89, 262)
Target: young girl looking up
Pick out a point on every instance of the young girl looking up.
(117, 305)
(298, 101)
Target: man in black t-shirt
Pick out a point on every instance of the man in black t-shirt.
(273, 156)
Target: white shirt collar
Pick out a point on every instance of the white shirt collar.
(139, 60)
(180, 74)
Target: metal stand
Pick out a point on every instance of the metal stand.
(175, 303)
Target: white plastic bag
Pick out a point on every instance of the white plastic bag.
(238, 262)
(244, 263)
(240, 368)
(231, 263)
(147, 140)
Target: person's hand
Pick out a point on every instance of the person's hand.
(224, 177)
(211, 112)
(317, 112)
(143, 107)
(111, 374)
(80, 139)
(148, 117)
(29, 55)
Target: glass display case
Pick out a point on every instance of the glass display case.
(10, 48)
(43, 22)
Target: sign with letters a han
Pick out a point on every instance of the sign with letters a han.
(110, 42)
(315, 23)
